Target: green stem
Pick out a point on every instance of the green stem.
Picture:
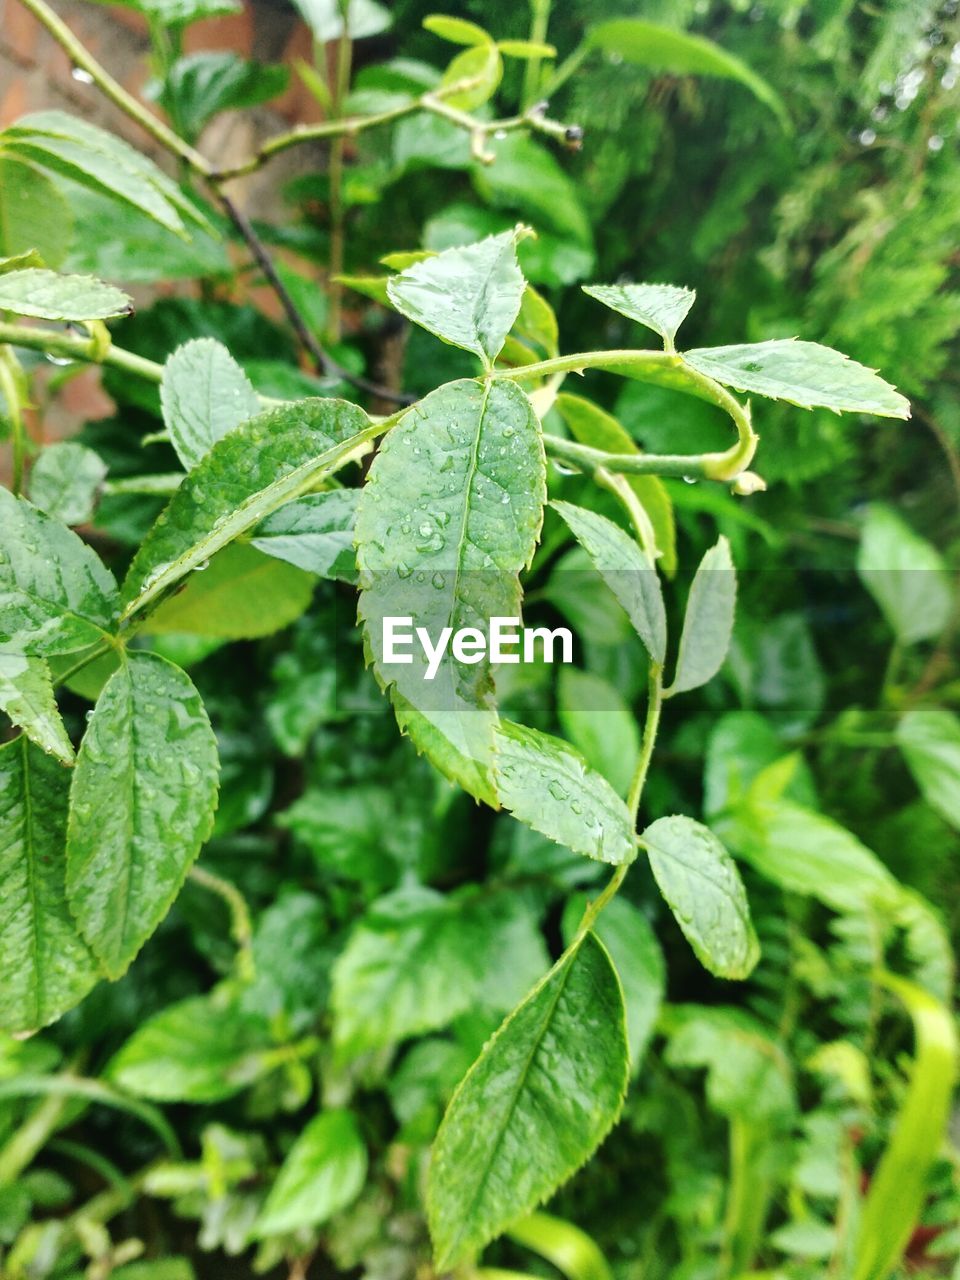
(341, 87)
(55, 342)
(11, 394)
(619, 486)
(539, 23)
(661, 368)
(566, 69)
(650, 727)
(20, 1149)
(651, 724)
(113, 90)
(241, 928)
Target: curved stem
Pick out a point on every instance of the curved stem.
(241, 928)
(663, 369)
(619, 486)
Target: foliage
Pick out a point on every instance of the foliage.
(319, 960)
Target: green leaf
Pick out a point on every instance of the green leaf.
(526, 49)
(929, 738)
(201, 85)
(202, 1049)
(703, 889)
(480, 69)
(661, 307)
(808, 853)
(661, 49)
(89, 155)
(33, 214)
(325, 18)
(49, 296)
(626, 933)
(55, 595)
(905, 574)
(254, 469)
(241, 595)
(204, 394)
(550, 787)
(748, 1073)
(598, 722)
(802, 373)
(708, 621)
(901, 1182)
(46, 966)
(66, 480)
(141, 805)
(315, 533)
(324, 1171)
(180, 13)
(511, 1136)
(593, 426)
(413, 964)
(468, 297)
(448, 517)
(431, 740)
(456, 30)
(575, 1254)
(626, 570)
(26, 696)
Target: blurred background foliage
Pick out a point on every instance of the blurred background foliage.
(758, 1113)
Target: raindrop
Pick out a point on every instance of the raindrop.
(689, 479)
(935, 143)
(403, 570)
(81, 75)
(439, 581)
(425, 530)
(867, 137)
(558, 790)
(199, 568)
(60, 361)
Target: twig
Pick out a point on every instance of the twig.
(534, 119)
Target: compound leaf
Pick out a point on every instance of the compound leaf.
(141, 805)
(46, 965)
(534, 1106)
(702, 887)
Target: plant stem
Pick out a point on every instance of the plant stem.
(665, 369)
(650, 727)
(539, 23)
(241, 928)
(11, 395)
(619, 486)
(26, 1141)
(341, 85)
(56, 342)
(113, 90)
(651, 724)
